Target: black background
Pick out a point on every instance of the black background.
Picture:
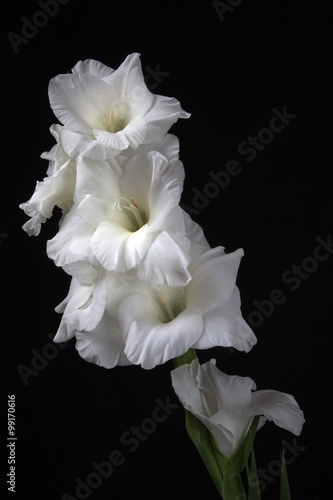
(229, 74)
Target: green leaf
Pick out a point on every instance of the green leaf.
(253, 480)
(284, 483)
(201, 438)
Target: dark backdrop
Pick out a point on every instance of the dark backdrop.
(233, 67)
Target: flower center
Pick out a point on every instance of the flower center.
(169, 301)
(165, 302)
(136, 217)
(117, 120)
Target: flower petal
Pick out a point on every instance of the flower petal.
(56, 190)
(231, 391)
(118, 249)
(64, 333)
(104, 345)
(81, 101)
(157, 187)
(128, 81)
(165, 263)
(165, 112)
(78, 145)
(280, 407)
(99, 180)
(64, 248)
(167, 145)
(194, 232)
(149, 341)
(86, 307)
(82, 271)
(225, 327)
(92, 67)
(130, 136)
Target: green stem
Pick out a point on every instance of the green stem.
(233, 489)
(185, 359)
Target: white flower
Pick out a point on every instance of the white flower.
(127, 217)
(56, 189)
(161, 322)
(226, 404)
(149, 324)
(106, 111)
(98, 335)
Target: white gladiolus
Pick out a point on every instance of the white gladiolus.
(226, 404)
(105, 111)
(127, 217)
(146, 286)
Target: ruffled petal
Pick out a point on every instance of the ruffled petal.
(81, 101)
(149, 341)
(118, 249)
(225, 327)
(167, 145)
(33, 226)
(87, 305)
(72, 243)
(103, 346)
(131, 136)
(165, 112)
(78, 145)
(92, 67)
(56, 190)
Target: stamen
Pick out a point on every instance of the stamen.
(130, 205)
(118, 119)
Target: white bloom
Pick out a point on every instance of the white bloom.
(127, 217)
(226, 404)
(149, 324)
(98, 335)
(91, 308)
(56, 189)
(163, 322)
(106, 111)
